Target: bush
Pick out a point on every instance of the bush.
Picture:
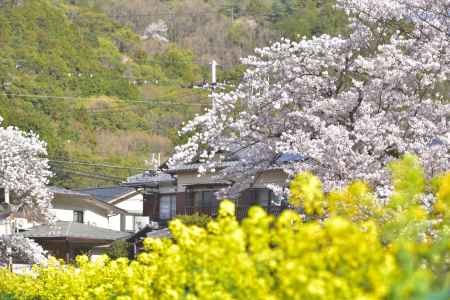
(347, 246)
(119, 249)
(196, 219)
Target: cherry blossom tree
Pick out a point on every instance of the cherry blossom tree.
(24, 171)
(349, 105)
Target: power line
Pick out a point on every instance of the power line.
(93, 164)
(125, 102)
(92, 175)
(170, 14)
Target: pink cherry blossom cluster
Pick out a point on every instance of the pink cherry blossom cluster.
(24, 171)
(348, 104)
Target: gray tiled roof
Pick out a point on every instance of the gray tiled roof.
(63, 191)
(150, 178)
(195, 166)
(107, 194)
(281, 159)
(158, 234)
(63, 229)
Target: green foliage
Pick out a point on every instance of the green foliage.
(308, 18)
(307, 193)
(291, 18)
(196, 219)
(118, 249)
(178, 64)
(408, 180)
(59, 49)
(71, 48)
(263, 257)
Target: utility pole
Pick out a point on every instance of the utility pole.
(155, 161)
(213, 74)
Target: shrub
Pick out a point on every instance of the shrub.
(348, 246)
(196, 219)
(118, 249)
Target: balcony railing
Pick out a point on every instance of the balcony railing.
(210, 211)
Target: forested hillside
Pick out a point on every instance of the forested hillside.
(86, 85)
(224, 30)
(108, 82)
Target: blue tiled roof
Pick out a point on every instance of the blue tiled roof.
(107, 194)
(436, 142)
(290, 157)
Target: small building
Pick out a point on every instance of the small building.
(82, 223)
(75, 206)
(66, 240)
(128, 199)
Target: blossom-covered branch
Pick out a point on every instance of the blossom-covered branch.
(348, 104)
(24, 172)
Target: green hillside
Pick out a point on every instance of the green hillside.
(103, 92)
(84, 83)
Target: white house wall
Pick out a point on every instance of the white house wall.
(133, 204)
(114, 222)
(62, 214)
(129, 223)
(63, 210)
(95, 219)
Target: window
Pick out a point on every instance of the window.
(205, 199)
(258, 196)
(167, 207)
(263, 197)
(78, 216)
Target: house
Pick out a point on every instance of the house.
(128, 199)
(180, 191)
(78, 207)
(69, 206)
(82, 223)
(67, 239)
(157, 188)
